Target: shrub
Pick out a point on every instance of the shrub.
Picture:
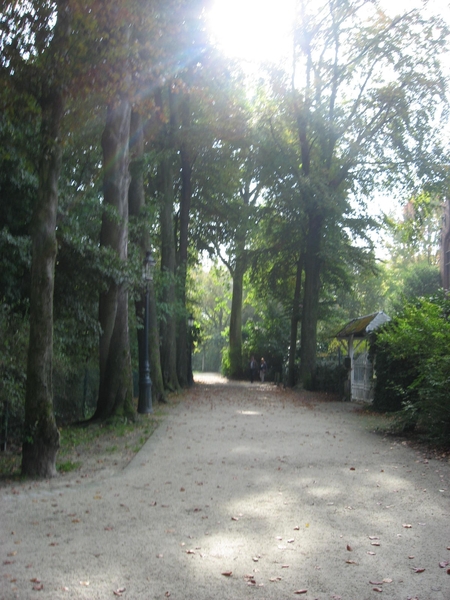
(413, 366)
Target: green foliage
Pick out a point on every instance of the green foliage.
(413, 366)
(330, 377)
(13, 360)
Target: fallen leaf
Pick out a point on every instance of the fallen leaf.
(349, 548)
(375, 582)
(35, 580)
(352, 469)
(373, 537)
(275, 579)
(119, 592)
(377, 589)
(444, 564)
(85, 583)
(387, 580)
(351, 562)
(296, 528)
(411, 557)
(227, 573)
(167, 594)
(291, 541)
(371, 553)
(190, 551)
(38, 587)
(407, 525)
(375, 543)
(418, 569)
(301, 592)
(235, 518)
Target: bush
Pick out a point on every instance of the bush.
(413, 366)
(330, 377)
(14, 329)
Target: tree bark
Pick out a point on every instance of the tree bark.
(313, 264)
(185, 206)
(136, 204)
(168, 324)
(295, 317)
(41, 435)
(116, 383)
(235, 338)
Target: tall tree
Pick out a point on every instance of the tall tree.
(35, 54)
(361, 107)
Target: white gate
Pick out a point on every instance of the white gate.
(362, 380)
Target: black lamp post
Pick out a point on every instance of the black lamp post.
(190, 374)
(145, 383)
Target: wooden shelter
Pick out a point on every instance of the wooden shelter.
(351, 336)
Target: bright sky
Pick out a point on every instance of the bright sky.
(255, 31)
(252, 30)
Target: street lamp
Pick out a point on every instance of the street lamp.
(145, 383)
(190, 374)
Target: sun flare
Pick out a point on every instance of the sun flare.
(253, 31)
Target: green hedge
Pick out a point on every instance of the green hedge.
(412, 364)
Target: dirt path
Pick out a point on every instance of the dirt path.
(244, 491)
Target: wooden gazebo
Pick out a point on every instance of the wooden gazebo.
(351, 337)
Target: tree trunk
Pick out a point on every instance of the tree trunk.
(184, 377)
(136, 204)
(116, 383)
(41, 435)
(295, 317)
(311, 300)
(235, 339)
(168, 324)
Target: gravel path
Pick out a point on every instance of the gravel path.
(244, 491)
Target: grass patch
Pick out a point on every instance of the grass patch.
(375, 421)
(67, 466)
(85, 445)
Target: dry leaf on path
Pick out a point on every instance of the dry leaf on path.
(349, 548)
(301, 592)
(377, 589)
(119, 592)
(227, 573)
(418, 569)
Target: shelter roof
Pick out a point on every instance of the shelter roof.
(362, 326)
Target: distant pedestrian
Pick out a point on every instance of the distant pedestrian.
(262, 370)
(253, 368)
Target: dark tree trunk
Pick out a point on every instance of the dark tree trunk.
(185, 206)
(235, 339)
(168, 324)
(116, 383)
(41, 435)
(310, 311)
(295, 317)
(136, 203)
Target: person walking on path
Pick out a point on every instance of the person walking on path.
(262, 370)
(253, 368)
